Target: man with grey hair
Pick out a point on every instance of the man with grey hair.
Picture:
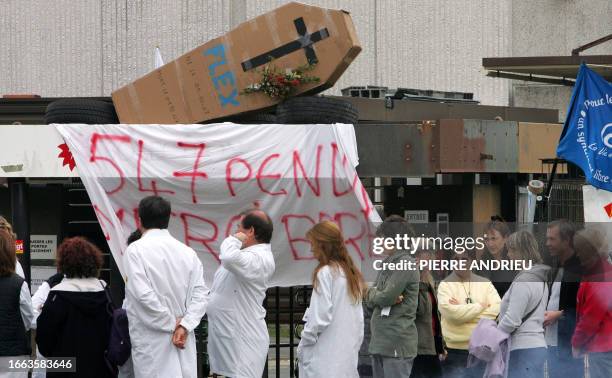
(393, 299)
(560, 317)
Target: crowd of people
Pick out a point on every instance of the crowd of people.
(543, 320)
(538, 322)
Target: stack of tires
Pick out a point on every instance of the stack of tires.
(315, 109)
(297, 110)
(80, 110)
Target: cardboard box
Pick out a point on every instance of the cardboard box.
(538, 142)
(207, 82)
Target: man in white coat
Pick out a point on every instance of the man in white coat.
(166, 297)
(238, 337)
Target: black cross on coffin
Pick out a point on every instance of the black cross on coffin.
(305, 42)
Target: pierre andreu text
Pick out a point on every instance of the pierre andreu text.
(459, 245)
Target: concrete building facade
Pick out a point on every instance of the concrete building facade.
(91, 47)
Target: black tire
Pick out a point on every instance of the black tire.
(255, 118)
(76, 110)
(309, 110)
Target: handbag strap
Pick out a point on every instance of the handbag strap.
(536, 307)
(109, 298)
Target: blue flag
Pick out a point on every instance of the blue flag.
(586, 139)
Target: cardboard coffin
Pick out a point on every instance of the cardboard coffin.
(207, 83)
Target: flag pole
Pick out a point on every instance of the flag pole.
(549, 185)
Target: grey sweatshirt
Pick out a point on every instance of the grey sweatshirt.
(528, 290)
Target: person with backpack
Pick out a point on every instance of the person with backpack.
(74, 321)
(521, 313)
(38, 300)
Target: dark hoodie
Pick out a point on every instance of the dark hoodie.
(74, 322)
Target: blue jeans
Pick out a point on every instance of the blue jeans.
(528, 363)
(600, 364)
(563, 364)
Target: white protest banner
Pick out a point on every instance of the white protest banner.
(597, 204)
(598, 210)
(298, 174)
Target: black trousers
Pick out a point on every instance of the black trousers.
(455, 365)
(426, 366)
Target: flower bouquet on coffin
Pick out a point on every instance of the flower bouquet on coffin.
(279, 84)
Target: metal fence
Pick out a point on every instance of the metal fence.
(285, 308)
(565, 202)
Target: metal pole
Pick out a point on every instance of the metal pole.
(278, 331)
(266, 306)
(549, 185)
(596, 42)
(20, 219)
(291, 335)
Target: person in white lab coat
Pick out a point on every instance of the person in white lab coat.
(238, 337)
(166, 297)
(332, 336)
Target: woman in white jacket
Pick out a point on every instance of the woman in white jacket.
(329, 345)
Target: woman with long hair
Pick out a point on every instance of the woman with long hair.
(6, 226)
(333, 332)
(522, 309)
(15, 310)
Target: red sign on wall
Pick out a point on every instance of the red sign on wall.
(19, 247)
